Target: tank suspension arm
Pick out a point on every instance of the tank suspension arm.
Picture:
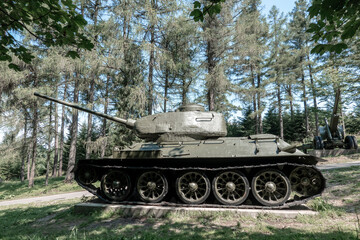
(129, 123)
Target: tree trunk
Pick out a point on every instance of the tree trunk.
(166, 87)
(305, 104)
(315, 102)
(62, 130)
(92, 88)
(103, 130)
(211, 64)
(89, 122)
(24, 151)
(49, 147)
(28, 162)
(73, 132)
(259, 103)
(281, 121)
(184, 92)
(56, 152)
(151, 66)
(1, 99)
(34, 145)
(254, 100)
(289, 90)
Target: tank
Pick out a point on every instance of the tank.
(186, 159)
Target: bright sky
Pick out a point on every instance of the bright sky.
(284, 6)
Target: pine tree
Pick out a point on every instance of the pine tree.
(249, 52)
(277, 62)
(177, 70)
(299, 44)
(216, 38)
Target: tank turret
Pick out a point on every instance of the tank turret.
(189, 122)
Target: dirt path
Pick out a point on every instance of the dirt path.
(63, 196)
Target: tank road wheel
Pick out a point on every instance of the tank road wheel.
(305, 181)
(116, 185)
(230, 188)
(152, 187)
(271, 187)
(86, 175)
(193, 187)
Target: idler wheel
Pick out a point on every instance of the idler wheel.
(271, 187)
(230, 187)
(116, 185)
(86, 175)
(306, 181)
(193, 187)
(152, 187)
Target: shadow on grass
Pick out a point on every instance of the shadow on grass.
(59, 221)
(20, 223)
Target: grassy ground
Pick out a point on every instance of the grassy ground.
(337, 219)
(16, 189)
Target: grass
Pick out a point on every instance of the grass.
(344, 187)
(338, 218)
(17, 189)
(57, 220)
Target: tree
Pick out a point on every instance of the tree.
(298, 42)
(216, 35)
(177, 69)
(243, 126)
(207, 7)
(73, 132)
(277, 63)
(52, 23)
(335, 22)
(249, 52)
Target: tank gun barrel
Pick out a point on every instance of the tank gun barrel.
(129, 123)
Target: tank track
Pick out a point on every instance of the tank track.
(290, 203)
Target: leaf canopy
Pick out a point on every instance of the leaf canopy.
(50, 22)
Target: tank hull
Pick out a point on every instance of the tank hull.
(259, 164)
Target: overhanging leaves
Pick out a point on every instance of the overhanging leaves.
(52, 23)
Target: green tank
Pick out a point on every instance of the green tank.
(185, 158)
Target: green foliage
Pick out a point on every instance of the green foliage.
(52, 23)
(10, 157)
(201, 9)
(244, 126)
(271, 122)
(294, 129)
(352, 121)
(335, 22)
(293, 125)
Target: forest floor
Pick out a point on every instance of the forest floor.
(338, 218)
